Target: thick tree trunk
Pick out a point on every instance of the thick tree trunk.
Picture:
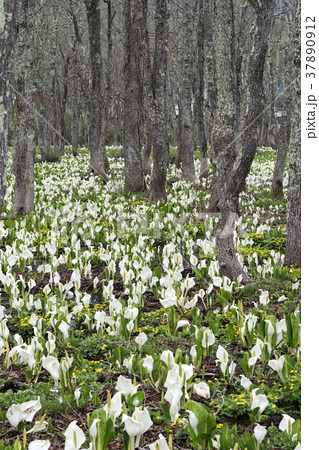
(149, 99)
(23, 202)
(160, 134)
(283, 129)
(187, 136)
(232, 169)
(8, 34)
(98, 159)
(293, 245)
(202, 141)
(224, 117)
(133, 95)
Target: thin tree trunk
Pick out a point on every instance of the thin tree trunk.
(283, 146)
(146, 157)
(44, 135)
(75, 116)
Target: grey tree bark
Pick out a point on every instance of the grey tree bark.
(8, 34)
(43, 130)
(160, 133)
(293, 244)
(133, 95)
(202, 141)
(23, 202)
(283, 146)
(231, 176)
(285, 105)
(98, 159)
(187, 135)
(75, 73)
(149, 98)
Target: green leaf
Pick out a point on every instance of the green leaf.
(207, 426)
(105, 429)
(158, 272)
(166, 413)
(136, 399)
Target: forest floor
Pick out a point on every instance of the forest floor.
(86, 275)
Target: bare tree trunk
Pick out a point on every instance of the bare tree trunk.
(75, 91)
(178, 157)
(283, 146)
(187, 138)
(146, 157)
(23, 202)
(8, 34)
(283, 130)
(98, 159)
(24, 153)
(160, 134)
(293, 245)
(231, 177)
(44, 135)
(149, 98)
(200, 91)
(75, 116)
(224, 116)
(133, 93)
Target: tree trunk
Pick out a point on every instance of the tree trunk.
(8, 34)
(224, 116)
(293, 245)
(23, 202)
(283, 145)
(75, 116)
(187, 138)
(283, 130)
(146, 157)
(200, 92)
(44, 135)
(232, 169)
(149, 99)
(98, 159)
(133, 95)
(160, 134)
